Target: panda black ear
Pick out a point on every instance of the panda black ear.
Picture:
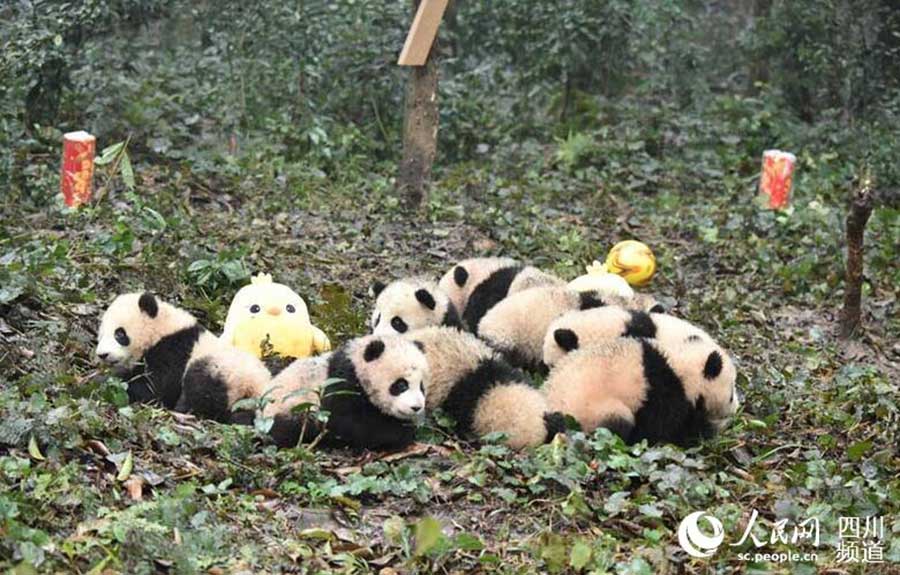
(713, 366)
(425, 298)
(374, 350)
(590, 300)
(148, 304)
(377, 287)
(566, 339)
(419, 345)
(460, 276)
(658, 308)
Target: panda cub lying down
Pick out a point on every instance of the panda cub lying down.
(372, 387)
(386, 383)
(164, 355)
(664, 392)
(643, 375)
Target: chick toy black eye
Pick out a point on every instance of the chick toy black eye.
(290, 308)
(398, 324)
(399, 387)
(254, 308)
(121, 337)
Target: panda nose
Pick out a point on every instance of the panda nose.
(274, 310)
(417, 408)
(103, 355)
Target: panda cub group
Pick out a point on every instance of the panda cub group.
(463, 345)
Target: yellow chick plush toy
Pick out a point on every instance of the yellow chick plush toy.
(265, 309)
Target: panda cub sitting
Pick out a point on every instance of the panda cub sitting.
(372, 387)
(410, 304)
(165, 356)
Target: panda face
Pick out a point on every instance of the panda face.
(132, 324)
(711, 373)
(394, 373)
(127, 329)
(407, 305)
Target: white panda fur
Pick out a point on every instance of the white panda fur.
(516, 326)
(165, 355)
(475, 285)
(410, 304)
(643, 389)
(373, 388)
(579, 329)
(482, 393)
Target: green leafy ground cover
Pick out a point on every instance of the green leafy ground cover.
(248, 160)
(816, 437)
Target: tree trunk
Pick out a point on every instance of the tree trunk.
(861, 205)
(420, 126)
(759, 61)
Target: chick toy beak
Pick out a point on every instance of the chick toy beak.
(274, 310)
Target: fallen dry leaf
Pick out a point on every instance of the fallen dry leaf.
(135, 487)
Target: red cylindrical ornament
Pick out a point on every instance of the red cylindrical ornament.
(777, 178)
(77, 167)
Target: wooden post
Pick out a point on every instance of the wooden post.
(420, 121)
(861, 205)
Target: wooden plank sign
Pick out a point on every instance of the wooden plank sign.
(77, 168)
(422, 33)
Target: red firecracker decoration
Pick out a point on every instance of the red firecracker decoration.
(77, 168)
(777, 178)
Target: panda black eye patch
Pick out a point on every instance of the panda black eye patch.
(566, 339)
(425, 298)
(398, 324)
(121, 337)
(374, 350)
(399, 386)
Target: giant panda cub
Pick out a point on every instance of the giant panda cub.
(475, 285)
(581, 329)
(676, 392)
(410, 304)
(161, 352)
(517, 325)
(372, 387)
(481, 392)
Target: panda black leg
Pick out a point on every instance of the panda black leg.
(555, 422)
(618, 425)
(243, 417)
(285, 431)
(204, 394)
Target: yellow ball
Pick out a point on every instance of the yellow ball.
(632, 260)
